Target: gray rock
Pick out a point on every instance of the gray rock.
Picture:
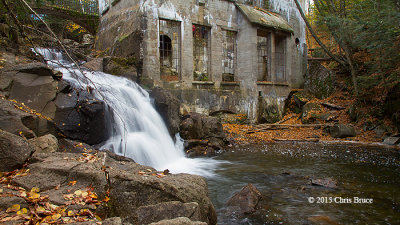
(37, 92)
(342, 131)
(203, 127)
(129, 190)
(95, 64)
(8, 201)
(179, 221)
(306, 116)
(44, 144)
(14, 151)
(11, 119)
(246, 200)
(6, 79)
(320, 81)
(393, 140)
(37, 68)
(326, 182)
(168, 106)
(168, 210)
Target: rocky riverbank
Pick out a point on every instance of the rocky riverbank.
(48, 178)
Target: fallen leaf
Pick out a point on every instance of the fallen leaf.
(106, 199)
(78, 192)
(35, 189)
(72, 183)
(22, 211)
(56, 216)
(14, 208)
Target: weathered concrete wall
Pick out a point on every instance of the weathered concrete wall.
(131, 28)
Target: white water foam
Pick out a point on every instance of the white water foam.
(137, 130)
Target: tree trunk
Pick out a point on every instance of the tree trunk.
(316, 37)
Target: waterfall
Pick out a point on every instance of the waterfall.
(137, 130)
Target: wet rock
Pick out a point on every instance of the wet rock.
(14, 151)
(79, 116)
(322, 220)
(168, 210)
(168, 106)
(246, 200)
(129, 189)
(195, 126)
(342, 131)
(44, 144)
(326, 182)
(393, 140)
(179, 221)
(195, 147)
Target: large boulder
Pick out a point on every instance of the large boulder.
(178, 221)
(14, 151)
(168, 106)
(168, 210)
(35, 84)
(320, 81)
(246, 200)
(342, 131)
(12, 119)
(196, 126)
(131, 185)
(309, 112)
(79, 116)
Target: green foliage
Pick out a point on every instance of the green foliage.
(370, 30)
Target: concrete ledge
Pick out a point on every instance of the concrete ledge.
(232, 83)
(270, 83)
(203, 82)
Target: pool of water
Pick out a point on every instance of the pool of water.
(282, 172)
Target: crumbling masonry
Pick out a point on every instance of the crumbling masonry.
(242, 56)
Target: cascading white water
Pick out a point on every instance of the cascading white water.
(137, 131)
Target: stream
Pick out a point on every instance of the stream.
(282, 172)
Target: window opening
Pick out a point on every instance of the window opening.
(229, 55)
(263, 55)
(280, 58)
(201, 53)
(169, 48)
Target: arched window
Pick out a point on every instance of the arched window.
(165, 46)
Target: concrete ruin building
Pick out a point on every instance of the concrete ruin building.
(242, 56)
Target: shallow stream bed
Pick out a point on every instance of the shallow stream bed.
(283, 173)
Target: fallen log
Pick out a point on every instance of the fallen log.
(260, 126)
(297, 140)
